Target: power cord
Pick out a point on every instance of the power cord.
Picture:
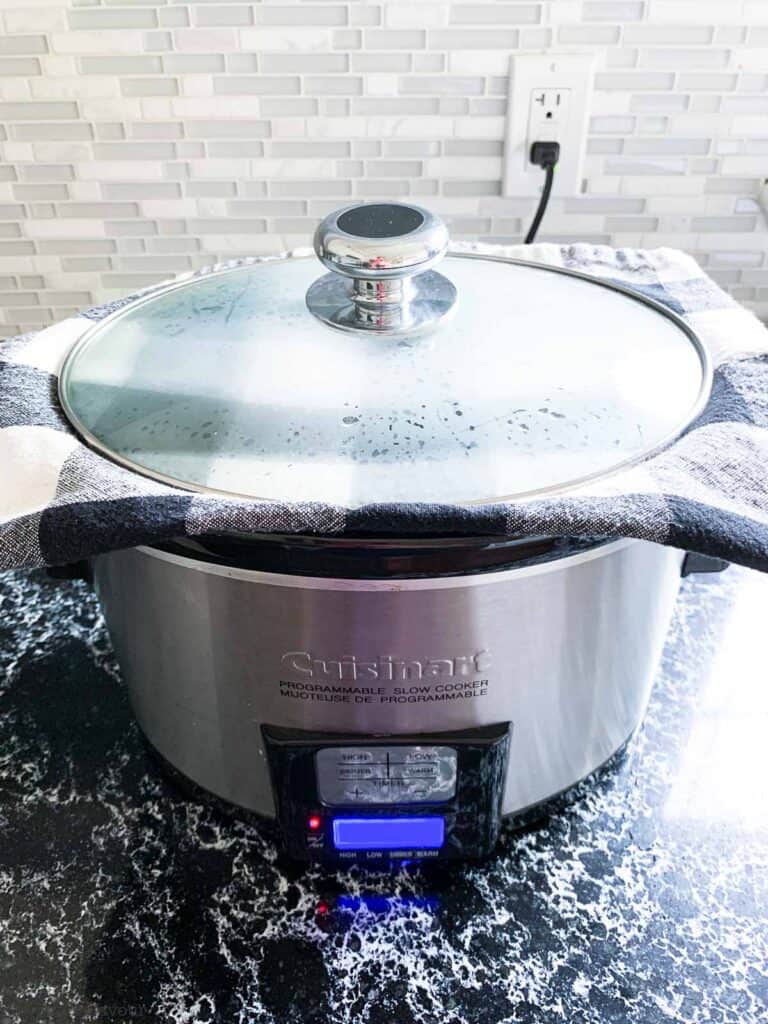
(546, 155)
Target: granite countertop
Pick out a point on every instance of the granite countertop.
(645, 900)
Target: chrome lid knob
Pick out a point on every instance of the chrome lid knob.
(381, 241)
(381, 255)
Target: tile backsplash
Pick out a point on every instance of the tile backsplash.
(141, 139)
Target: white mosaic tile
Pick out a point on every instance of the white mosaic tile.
(142, 138)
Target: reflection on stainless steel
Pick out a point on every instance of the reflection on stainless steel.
(410, 308)
(380, 256)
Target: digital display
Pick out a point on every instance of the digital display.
(388, 833)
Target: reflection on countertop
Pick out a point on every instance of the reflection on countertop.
(644, 900)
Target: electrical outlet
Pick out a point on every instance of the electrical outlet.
(548, 102)
(548, 115)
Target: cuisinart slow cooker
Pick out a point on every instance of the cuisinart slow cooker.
(386, 697)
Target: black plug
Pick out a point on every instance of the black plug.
(545, 154)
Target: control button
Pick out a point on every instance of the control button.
(355, 771)
(353, 756)
(358, 793)
(412, 771)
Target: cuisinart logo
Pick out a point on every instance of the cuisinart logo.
(386, 667)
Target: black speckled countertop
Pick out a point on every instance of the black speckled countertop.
(645, 900)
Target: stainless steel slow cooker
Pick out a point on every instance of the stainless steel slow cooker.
(386, 697)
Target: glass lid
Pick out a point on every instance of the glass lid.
(384, 381)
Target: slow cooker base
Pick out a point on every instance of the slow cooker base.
(517, 684)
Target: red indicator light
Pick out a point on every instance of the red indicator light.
(314, 823)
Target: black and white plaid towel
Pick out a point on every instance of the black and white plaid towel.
(708, 492)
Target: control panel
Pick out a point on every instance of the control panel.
(344, 797)
(386, 775)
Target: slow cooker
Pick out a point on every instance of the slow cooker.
(386, 697)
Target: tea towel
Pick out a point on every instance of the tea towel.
(60, 501)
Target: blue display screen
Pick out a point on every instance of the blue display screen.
(388, 833)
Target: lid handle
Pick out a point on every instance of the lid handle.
(381, 255)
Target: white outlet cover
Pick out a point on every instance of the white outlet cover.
(573, 72)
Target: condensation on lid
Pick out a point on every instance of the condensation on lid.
(228, 383)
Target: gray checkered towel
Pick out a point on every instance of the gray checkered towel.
(708, 492)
